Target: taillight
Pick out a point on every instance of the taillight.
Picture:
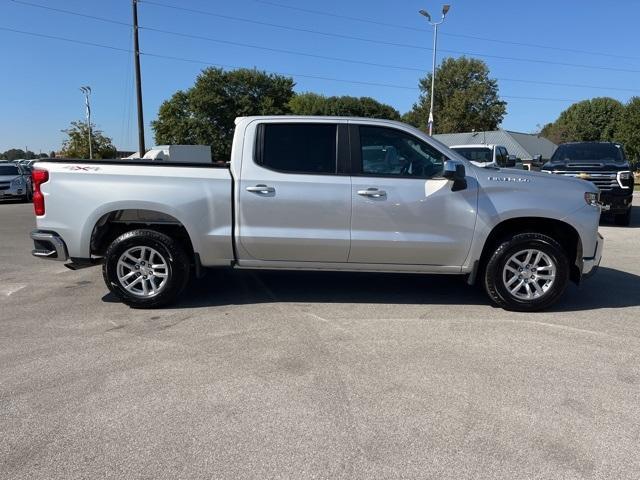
(38, 177)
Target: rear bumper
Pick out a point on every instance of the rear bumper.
(591, 264)
(49, 245)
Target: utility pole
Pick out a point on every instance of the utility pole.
(424, 13)
(136, 59)
(86, 90)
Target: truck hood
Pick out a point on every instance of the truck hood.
(527, 193)
(528, 179)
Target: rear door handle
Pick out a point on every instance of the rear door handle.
(372, 192)
(261, 189)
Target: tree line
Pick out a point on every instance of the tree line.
(466, 99)
(19, 154)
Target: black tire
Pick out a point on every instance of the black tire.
(173, 253)
(623, 219)
(493, 272)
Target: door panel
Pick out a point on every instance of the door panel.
(293, 216)
(417, 222)
(403, 211)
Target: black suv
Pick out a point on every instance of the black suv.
(603, 164)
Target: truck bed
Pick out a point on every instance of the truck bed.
(82, 193)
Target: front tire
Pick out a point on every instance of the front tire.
(146, 269)
(527, 273)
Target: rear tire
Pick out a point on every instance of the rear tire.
(146, 269)
(623, 219)
(527, 273)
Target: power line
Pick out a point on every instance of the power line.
(302, 75)
(350, 37)
(63, 39)
(280, 50)
(199, 37)
(202, 62)
(374, 64)
(69, 12)
(473, 37)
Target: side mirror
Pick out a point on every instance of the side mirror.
(511, 161)
(455, 171)
(537, 158)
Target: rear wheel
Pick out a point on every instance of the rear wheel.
(527, 272)
(623, 219)
(146, 269)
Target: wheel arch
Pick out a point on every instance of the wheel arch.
(113, 223)
(564, 233)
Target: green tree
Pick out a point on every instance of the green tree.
(205, 113)
(465, 99)
(628, 129)
(315, 104)
(17, 154)
(597, 119)
(76, 145)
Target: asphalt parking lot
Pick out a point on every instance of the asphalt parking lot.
(316, 375)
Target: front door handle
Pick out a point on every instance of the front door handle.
(372, 192)
(261, 189)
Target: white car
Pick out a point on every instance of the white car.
(488, 155)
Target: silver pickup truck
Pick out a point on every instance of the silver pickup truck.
(320, 193)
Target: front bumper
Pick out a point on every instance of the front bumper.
(616, 201)
(12, 192)
(591, 264)
(49, 245)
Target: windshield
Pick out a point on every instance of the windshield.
(478, 154)
(588, 152)
(9, 170)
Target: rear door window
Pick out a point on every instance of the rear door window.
(298, 148)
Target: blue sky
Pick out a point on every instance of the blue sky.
(41, 76)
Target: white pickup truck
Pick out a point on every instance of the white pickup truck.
(319, 193)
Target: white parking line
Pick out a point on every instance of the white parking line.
(10, 289)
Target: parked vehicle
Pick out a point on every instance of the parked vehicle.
(15, 182)
(319, 193)
(604, 164)
(488, 155)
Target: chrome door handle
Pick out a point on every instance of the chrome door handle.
(372, 192)
(261, 189)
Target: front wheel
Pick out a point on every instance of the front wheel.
(527, 273)
(145, 268)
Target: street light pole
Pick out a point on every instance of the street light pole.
(87, 91)
(424, 13)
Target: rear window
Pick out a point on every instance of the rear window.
(479, 154)
(589, 152)
(9, 170)
(298, 148)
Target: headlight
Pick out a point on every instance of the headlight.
(16, 182)
(624, 179)
(592, 198)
